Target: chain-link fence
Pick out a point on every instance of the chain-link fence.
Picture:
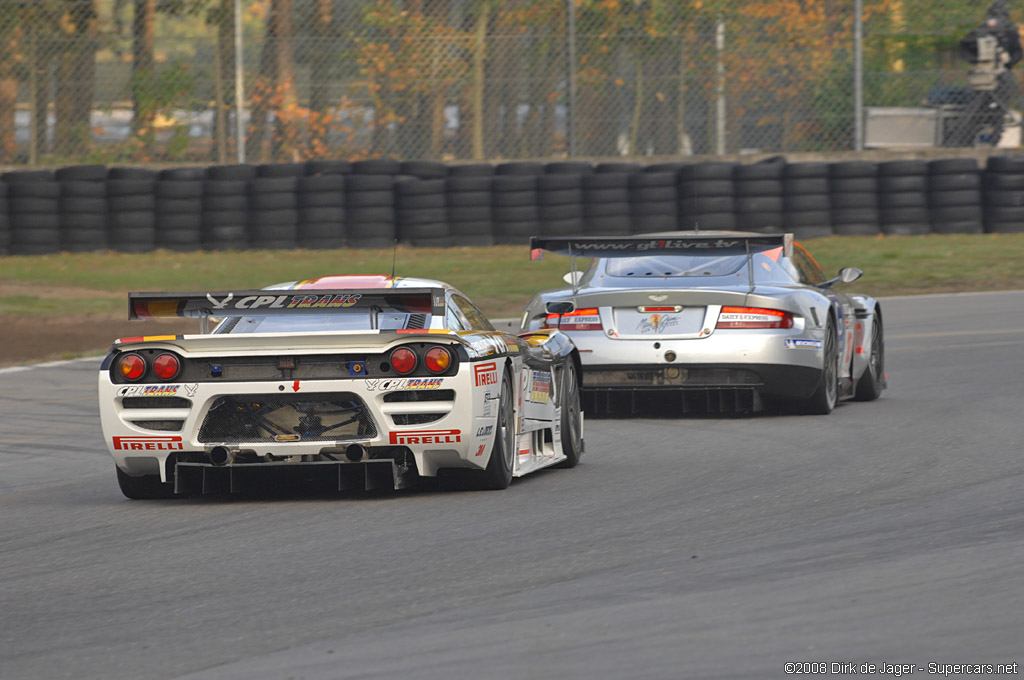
(118, 81)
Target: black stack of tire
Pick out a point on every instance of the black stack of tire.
(759, 199)
(423, 169)
(954, 196)
(377, 166)
(226, 207)
(370, 208)
(707, 196)
(515, 202)
(131, 201)
(421, 216)
(179, 209)
(328, 167)
(560, 197)
(652, 202)
(606, 208)
(32, 200)
(903, 197)
(569, 168)
(853, 194)
(273, 212)
(1004, 195)
(806, 208)
(322, 211)
(5, 222)
(468, 195)
(83, 207)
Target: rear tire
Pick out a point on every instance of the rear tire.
(146, 487)
(870, 385)
(571, 418)
(498, 474)
(827, 393)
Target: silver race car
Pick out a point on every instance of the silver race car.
(712, 322)
(343, 382)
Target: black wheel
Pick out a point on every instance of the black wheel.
(869, 387)
(825, 396)
(146, 487)
(572, 417)
(498, 474)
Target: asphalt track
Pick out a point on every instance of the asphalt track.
(887, 532)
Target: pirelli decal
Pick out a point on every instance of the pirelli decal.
(485, 373)
(427, 437)
(148, 443)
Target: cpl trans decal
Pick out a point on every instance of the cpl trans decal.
(540, 387)
(427, 437)
(653, 245)
(404, 384)
(485, 374)
(284, 301)
(148, 443)
(148, 391)
(798, 343)
(657, 323)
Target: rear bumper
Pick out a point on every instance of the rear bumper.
(196, 479)
(768, 380)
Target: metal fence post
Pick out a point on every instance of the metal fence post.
(858, 75)
(720, 86)
(570, 82)
(239, 86)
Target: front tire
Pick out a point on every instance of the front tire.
(146, 487)
(827, 393)
(572, 417)
(870, 385)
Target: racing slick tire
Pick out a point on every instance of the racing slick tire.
(826, 395)
(498, 474)
(571, 419)
(146, 487)
(869, 387)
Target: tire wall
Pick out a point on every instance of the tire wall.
(372, 203)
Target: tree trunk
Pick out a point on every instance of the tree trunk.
(479, 59)
(75, 80)
(320, 75)
(143, 65)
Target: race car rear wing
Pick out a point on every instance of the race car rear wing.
(203, 305)
(638, 246)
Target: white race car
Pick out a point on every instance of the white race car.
(343, 382)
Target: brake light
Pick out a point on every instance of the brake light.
(754, 317)
(437, 359)
(166, 366)
(131, 366)
(403, 360)
(576, 320)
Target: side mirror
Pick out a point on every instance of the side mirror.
(849, 274)
(560, 307)
(572, 278)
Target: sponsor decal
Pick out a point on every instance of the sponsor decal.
(427, 437)
(150, 391)
(540, 387)
(484, 431)
(146, 443)
(797, 343)
(488, 409)
(404, 384)
(655, 244)
(190, 389)
(284, 301)
(485, 374)
(657, 323)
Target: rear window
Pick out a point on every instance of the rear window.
(675, 265)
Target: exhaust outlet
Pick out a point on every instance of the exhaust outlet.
(221, 455)
(355, 452)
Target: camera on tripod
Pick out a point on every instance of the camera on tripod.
(988, 59)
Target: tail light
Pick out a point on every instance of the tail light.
(131, 367)
(437, 359)
(166, 366)
(576, 320)
(754, 317)
(403, 360)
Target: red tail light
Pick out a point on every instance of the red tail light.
(437, 359)
(166, 366)
(577, 320)
(754, 317)
(131, 366)
(403, 360)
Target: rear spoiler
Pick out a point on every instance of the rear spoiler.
(637, 246)
(271, 302)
